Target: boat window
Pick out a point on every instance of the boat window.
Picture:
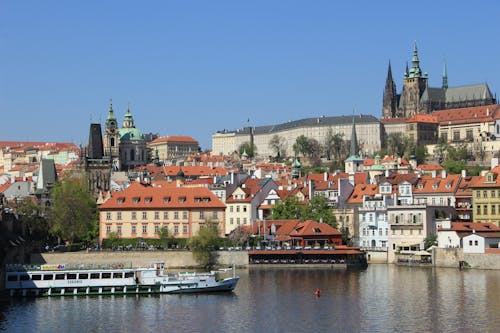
(12, 278)
(71, 276)
(83, 276)
(94, 275)
(59, 276)
(129, 274)
(117, 275)
(24, 277)
(36, 277)
(106, 275)
(48, 277)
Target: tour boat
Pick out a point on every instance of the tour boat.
(59, 280)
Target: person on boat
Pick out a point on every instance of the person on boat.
(317, 292)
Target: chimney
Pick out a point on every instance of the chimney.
(443, 174)
(464, 173)
(311, 189)
(434, 173)
(494, 162)
(325, 176)
(351, 179)
(232, 177)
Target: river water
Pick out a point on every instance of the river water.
(383, 298)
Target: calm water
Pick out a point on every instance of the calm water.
(384, 298)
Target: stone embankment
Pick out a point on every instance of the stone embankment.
(452, 258)
(172, 259)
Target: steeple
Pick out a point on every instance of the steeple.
(445, 77)
(353, 151)
(406, 71)
(389, 101)
(111, 119)
(415, 70)
(128, 121)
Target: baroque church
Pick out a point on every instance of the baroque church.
(120, 150)
(417, 97)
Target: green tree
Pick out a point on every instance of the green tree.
(421, 154)
(31, 215)
(454, 167)
(429, 241)
(204, 244)
(251, 150)
(286, 210)
(301, 145)
(318, 210)
(397, 144)
(278, 145)
(73, 213)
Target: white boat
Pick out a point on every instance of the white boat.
(59, 280)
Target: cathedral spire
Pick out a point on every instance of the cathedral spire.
(353, 151)
(445, 77)
(415, 70)
(390, 97)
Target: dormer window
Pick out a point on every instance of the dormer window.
(197, 199)
(420, 186)
(121, 200)
(434, 186)
(148, 199)
(135, 199)
(166, 199)
(206, 199)
(182, 199)
(448, 186)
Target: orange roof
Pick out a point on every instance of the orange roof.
(393, 120)
(156, 196)
(5, 186)
(429, 167)
(429, 184)
(477, 114)
(360, 190)
(422, 118)
(178, 138)
(470, 226)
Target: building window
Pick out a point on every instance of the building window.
(215, 215)
(456, 135)
(231, 209)
(373, 232)
(485, 209)
(386, 231)
(478, 194)
(176, 229)
(476, 243)
(244, 220)
(238, 221)
(380, 231)
(108, 215)
(231, 220)
(157, 215)
(493, 193)
(118, 215)
(134, 229)
(485, 194)
(493, 210)
(119, 230)
(468, 135)
(176, 215)
(237, 209)
(144, 215)
(470, 243)
(134, 215)
(202, 215)
(244, 208)
(108, 229)
(144, 229)
(184, 215)
(157, 229)
(165, 215)
(478, 210)
(184, 229)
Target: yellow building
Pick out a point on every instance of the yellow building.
(486, 198)
(142, 210)
(168, 147)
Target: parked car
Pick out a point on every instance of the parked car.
(60, 248)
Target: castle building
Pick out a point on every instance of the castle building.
(417, 97)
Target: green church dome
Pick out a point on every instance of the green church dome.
(131, 134)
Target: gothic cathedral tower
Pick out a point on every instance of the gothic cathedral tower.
(414, 85)
(390, 101)
(112, 139)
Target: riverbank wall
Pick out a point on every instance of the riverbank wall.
(452, 258)
(172, 259)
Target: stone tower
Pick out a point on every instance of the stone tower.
(97, 166)
(112, 138)
(390, 101)
(414, 85)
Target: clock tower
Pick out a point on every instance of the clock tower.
(112, 139)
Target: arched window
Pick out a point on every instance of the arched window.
(112, 141)
(374, 243)
(132, 155)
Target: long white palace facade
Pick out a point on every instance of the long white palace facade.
(368, 131)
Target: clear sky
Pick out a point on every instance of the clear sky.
(195, 67)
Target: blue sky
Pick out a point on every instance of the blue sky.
(195, 67)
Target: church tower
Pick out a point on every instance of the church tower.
(414, 85)
(112, 138)
(389, 104)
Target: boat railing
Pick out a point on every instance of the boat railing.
(65, 267)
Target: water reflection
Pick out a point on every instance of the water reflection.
(384, 298)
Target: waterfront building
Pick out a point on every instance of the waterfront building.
(243, 203)
(368, 131)
(168, 148)
(433, 190)
(142, 210)
(373, 227)
(486, 197)
(452, 234)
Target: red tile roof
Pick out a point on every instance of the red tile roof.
(137, 195)
(477, 114)
(429, 167)
(360, 190)
(470, 226)
(393, 120)
(422, 118)
(429, 184)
